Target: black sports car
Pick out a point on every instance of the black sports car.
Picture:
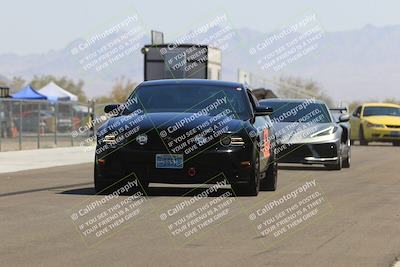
(188, 131)
(306, 133)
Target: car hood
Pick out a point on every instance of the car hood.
(294, 132)
(391, 120)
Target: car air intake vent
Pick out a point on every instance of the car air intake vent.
(392, 126)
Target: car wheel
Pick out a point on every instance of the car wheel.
(363, 142)
(99, 184)
(338, 166)
(143, 187)
(252, 187)
(269, 183)
(347, 159)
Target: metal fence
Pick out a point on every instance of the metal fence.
(27, 124)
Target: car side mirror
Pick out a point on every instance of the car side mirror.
(263, 111)
(110, 108)
(344, 118)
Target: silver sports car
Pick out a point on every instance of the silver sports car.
(306, 133)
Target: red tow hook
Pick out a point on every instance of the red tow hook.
(191, 171)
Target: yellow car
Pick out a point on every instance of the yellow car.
(373, 122)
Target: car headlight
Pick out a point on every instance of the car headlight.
(372, 125)
(231, 141)
(109, 139)
(327, 131)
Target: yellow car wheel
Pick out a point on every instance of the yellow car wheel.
(363, 142)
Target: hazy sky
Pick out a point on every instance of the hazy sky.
(41, 25)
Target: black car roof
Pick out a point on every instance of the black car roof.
(191, 82)
(283, 100)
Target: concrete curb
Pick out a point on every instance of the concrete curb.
(14, 161)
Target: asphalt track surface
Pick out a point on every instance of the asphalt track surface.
(362, 227)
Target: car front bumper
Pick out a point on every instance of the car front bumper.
(209, 166)
(309, 153)
(382, 134)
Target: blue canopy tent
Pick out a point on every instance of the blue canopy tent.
(28, 93)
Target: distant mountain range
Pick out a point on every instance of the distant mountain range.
(359, 64)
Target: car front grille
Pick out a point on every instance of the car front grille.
(302, 151)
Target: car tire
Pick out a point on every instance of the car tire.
(252, 187)
(351, 142)
(363, 142)
(270, 181)
(338, 166)
(347, 160)
(99, 185)
(143, 187)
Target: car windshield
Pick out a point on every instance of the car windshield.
(298, 112)
(381, 111)
(336, 115)
(184, 98)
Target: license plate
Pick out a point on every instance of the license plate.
(395, 134)
(169, 161)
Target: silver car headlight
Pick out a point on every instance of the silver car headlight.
(328, 131)
(109, 139)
